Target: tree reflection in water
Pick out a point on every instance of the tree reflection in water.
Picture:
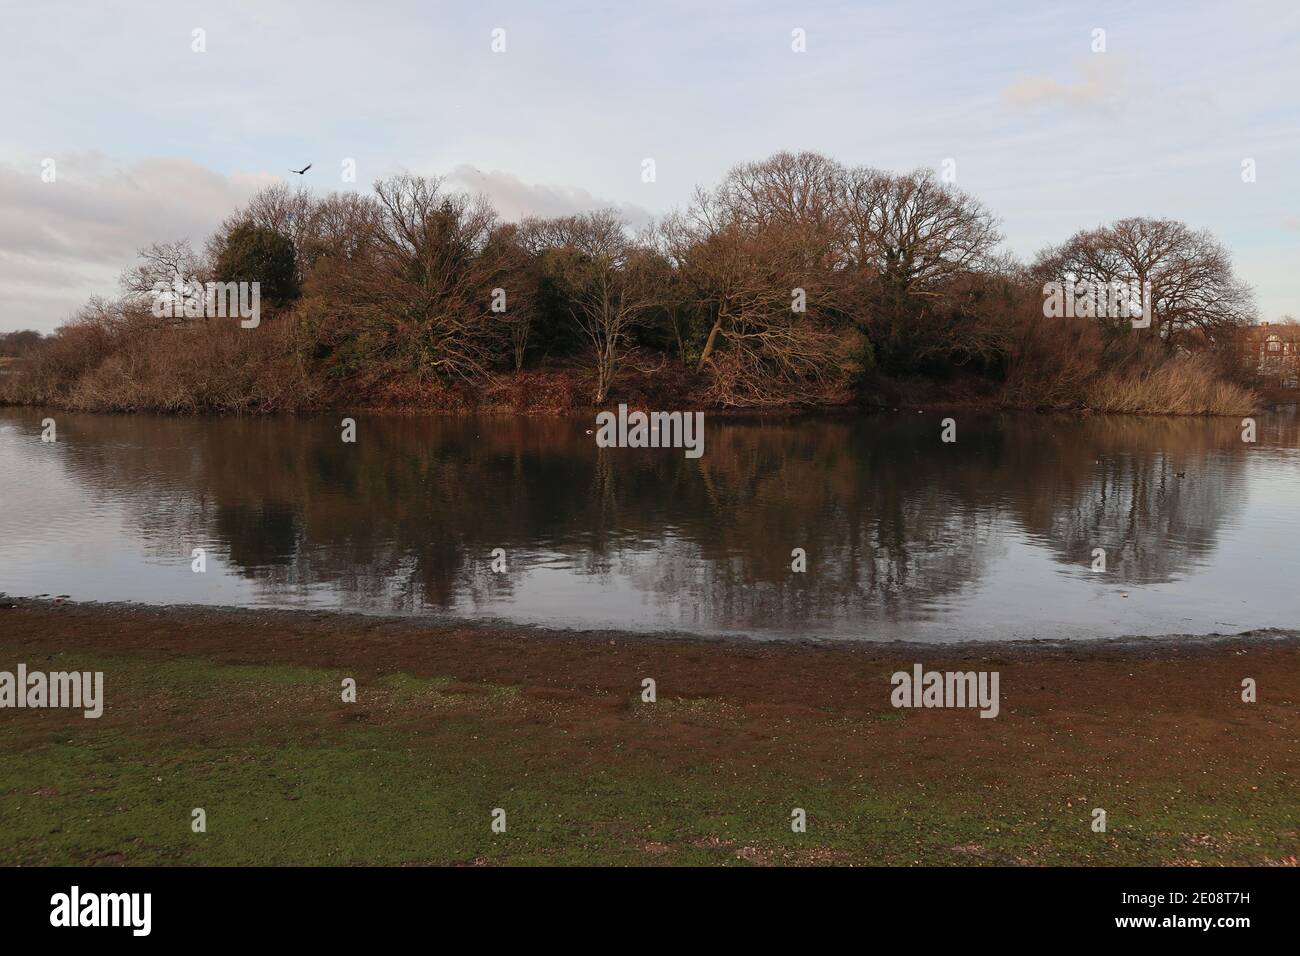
(895, 523)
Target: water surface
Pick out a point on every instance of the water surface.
(907, 538)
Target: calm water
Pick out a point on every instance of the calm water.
(906, 537)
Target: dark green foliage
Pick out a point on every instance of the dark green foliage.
(257, 254)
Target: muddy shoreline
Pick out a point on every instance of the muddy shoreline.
(1131, 645)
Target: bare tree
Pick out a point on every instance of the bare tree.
(908, 243)
(758, 257)
(170, 269)
(417, 297)
(785, 188)
(516, 281)
(162, 262)
(913, 231)
(341, 225)
(608, 279)
(1194, 293)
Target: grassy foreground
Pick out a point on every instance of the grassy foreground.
(240, 713)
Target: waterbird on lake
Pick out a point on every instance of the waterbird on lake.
(301, 171)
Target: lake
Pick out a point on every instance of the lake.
(990, 537)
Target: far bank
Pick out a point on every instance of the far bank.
(1184, 388)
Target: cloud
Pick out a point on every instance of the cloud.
(1103, 83)
(64, 241)
(515, 199)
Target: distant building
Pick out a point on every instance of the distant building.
(1274, 351)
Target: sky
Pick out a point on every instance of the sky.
(153, 141)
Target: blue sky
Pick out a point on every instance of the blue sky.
(153, 141)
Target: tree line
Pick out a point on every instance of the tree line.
(797, 280)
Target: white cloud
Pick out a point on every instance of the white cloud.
(64, 241)
(515, 199)
(1102, 82)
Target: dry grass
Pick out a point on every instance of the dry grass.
(1071, 365)
(207, 367)
(113, 362)
(1184, 385)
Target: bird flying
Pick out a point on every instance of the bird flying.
(301, 171)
